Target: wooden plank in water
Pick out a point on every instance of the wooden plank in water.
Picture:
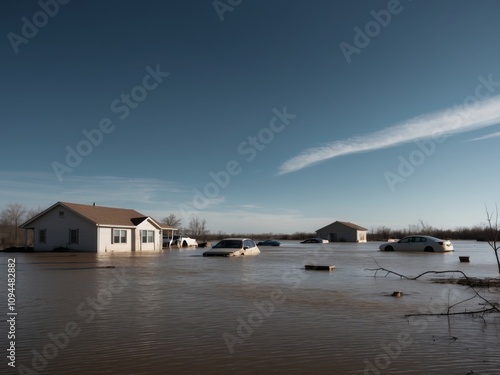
(318, 268)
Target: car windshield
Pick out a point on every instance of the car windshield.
(229, 244)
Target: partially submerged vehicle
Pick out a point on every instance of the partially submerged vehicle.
(183, 241)
(315, 240)
(231, 247)
(269, 243)
(418, 243)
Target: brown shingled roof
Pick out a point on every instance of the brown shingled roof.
(106, 215)
(101, 215)
(346, 223)
(352, 225)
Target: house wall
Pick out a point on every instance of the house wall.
(339, 232)
(134, 239)
(156, 245)
(106, 239)
(57, 231)
(362, 234)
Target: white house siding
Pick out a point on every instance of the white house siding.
(361, 236)
(156, 245)
(104, 239)
(134, 239)
(107, 244)
(340, 232)
(57, 231)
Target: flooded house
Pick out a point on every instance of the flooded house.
(91, 228)
(343, 231)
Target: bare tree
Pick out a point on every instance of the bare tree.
(493, 229)
(32, 212)
(172, 221)
(424, 227)
(413, 229)
(11, 218)
(198, 227)
(381, 233)
(471, 282)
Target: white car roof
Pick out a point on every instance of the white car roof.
(421, 235)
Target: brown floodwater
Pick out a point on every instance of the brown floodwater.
(177, 312)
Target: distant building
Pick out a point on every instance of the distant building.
(92, 228)
(343, 231)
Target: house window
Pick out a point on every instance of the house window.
(73, 236)
(61, 213)
(42, 235)
(119, 236)
(148, 236)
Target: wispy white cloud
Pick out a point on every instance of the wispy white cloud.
(445, 122)
(250, 206)
(488, 136)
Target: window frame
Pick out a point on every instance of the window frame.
(147, 236)
(74, 240)
(42, 235)
(121, 238)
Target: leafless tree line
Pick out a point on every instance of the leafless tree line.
(197, 227)
(11, 217)
(296, 236)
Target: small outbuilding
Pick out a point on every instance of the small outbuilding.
(92, 228)
(343, 231)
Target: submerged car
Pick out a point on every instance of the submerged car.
(314, 240)
(183, 240)
(269, 243)
(418, 243)
(231, 247)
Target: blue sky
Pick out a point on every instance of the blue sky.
(258, 116)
